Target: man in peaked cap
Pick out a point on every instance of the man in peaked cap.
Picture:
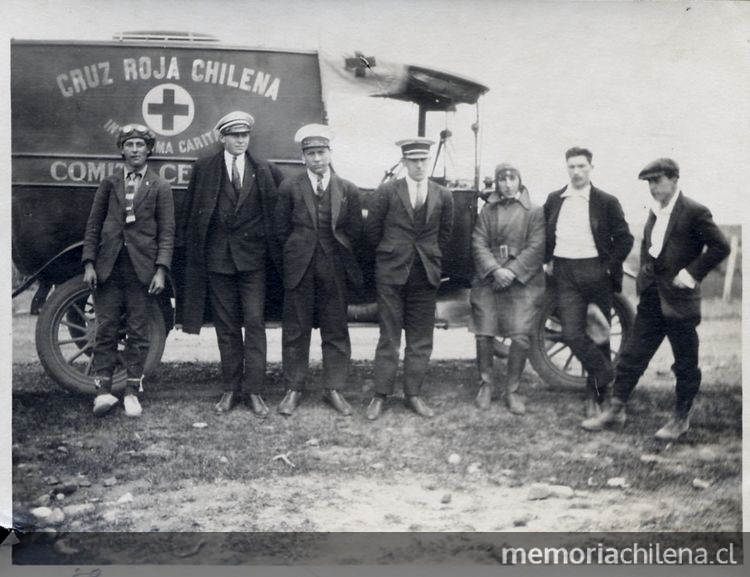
(681, 244)
(319, 226)
(127, 251)
(409, 224)
(227, 230)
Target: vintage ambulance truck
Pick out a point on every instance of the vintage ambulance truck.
(68, 100)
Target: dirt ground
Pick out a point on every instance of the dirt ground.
(463, 471)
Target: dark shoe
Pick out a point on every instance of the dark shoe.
(484, 396)
(258, 405)
(375, 408)
(289, 403)
(417, 405)
(338, 402)
(677, 426)
(226, 403)
(613, 416)
(515, 404)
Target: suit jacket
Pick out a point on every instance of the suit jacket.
(692, 241)
(296, 227)
(611, 233)
(390, 228)
(198, 209)
(150, 239)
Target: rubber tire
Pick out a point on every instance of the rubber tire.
(552, 374)
(47, 331)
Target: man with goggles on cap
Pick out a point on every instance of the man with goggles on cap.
(227, 230)
(410, 223)
(127, 252)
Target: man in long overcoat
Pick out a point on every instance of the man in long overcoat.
(227, 227)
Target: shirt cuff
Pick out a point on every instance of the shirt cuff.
(687, 278)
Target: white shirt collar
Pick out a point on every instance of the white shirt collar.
(413, 183)
(657, 208)
(314, 178)
(584, 192)
(142, 171)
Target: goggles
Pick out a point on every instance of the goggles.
(135, 131)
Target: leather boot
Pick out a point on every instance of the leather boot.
(485, 359)
(613, 415)
(516, 362)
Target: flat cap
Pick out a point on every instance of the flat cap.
(235, 121)
(665, 166)
(415, 148)
(314, 135)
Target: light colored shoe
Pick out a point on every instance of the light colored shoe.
(132, 406)
(515, 404)
(484, 396)
(677, 426)
(103, 404)
(613, 416)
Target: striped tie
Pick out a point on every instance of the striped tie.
(131, 187)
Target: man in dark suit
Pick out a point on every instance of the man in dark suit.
(318, 224)
(587, 242)
(127, 251)
(410, 222)
(681, 244)
(228, 237)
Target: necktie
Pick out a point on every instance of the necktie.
(319, 190)
(131, 186)
(236, 181)
(418, 198)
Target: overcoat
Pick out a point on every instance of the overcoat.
(296, 224)
(150, 239)
(198, 208)
(519, 226)
(693, 242)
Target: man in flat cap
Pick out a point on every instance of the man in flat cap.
(588, 239)
(319, 225)
(127, 251)
(227, 227)
(410, 222)
(681, 244)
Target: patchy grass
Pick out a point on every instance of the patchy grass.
(348, 474)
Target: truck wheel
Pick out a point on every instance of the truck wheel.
(65, 333)
(553, 360)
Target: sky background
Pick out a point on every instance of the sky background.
(632, 81)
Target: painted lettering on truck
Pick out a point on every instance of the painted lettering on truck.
(77, 80)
